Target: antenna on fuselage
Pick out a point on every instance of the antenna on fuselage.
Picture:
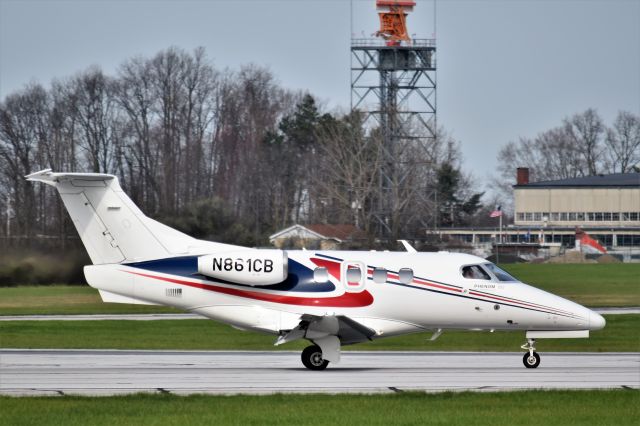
(408, 247)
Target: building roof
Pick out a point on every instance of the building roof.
(320, 231)
(614, 180)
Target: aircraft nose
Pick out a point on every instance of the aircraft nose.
(596, 321)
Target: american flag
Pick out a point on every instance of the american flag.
(497, 212)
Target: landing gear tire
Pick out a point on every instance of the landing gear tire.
(531, 360)
(312, 358)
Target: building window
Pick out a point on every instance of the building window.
(615, 216)
(528, 217)
(564, 216)
(537, 216)
(606, 216)
(580, 216)
(465, 238)
(573, 216)
(520, 216)
(629, 240)
(633, 216)
(555, 216)
(605, 240)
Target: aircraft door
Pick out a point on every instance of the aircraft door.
(354, 276)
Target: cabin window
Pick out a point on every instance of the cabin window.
(500, 274)
(354, 274)
(321, 275)
(380, 275)
(405, 275)
(475, 272)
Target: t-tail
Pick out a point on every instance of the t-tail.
(112, 228)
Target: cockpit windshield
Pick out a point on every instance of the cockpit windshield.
(500, 274)
(475, 272)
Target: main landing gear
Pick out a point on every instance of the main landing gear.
(531, 358)
(312, 358)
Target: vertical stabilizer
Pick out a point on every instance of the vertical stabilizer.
(112, 228)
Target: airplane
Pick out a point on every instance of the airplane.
(330, 298)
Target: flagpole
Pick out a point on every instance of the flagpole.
(499, 239)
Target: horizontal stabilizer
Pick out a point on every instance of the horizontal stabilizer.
(51, 178)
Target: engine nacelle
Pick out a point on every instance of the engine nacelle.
(252, 267)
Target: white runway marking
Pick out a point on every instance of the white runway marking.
(154, 317)
(103, 372)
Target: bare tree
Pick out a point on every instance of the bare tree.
(180, 133)
(93, 105)
(24, 127)
(586, 131)
(136, 97)
(346, 171)
(623, 143)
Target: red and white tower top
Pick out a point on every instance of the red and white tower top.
(393, 20)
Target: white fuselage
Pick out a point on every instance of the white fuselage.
(437, 296)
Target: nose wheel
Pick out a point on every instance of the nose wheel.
(312, 358)
(531, 359)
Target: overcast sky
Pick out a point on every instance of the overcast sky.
(506, 68)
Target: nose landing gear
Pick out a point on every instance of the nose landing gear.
(531, 359)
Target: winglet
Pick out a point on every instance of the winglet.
(408, 247)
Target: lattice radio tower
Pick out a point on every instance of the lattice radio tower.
(393, 83)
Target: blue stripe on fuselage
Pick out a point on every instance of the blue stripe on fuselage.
(299, 278)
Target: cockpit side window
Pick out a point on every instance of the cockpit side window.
(500, 274)
(475, 272)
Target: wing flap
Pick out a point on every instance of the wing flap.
(316, 327)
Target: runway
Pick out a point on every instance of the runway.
(110, 372)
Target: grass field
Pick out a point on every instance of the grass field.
(621, 335)
(614, 407)
(60, 299)
(613, 284)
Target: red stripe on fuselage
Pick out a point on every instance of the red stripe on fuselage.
(430, 284)
(346, 300)
(509, 300)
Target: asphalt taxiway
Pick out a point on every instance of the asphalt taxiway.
(111, 372)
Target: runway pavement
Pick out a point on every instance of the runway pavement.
(154, 317)
(109, 372)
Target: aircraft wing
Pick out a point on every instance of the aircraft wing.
(329, 332)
